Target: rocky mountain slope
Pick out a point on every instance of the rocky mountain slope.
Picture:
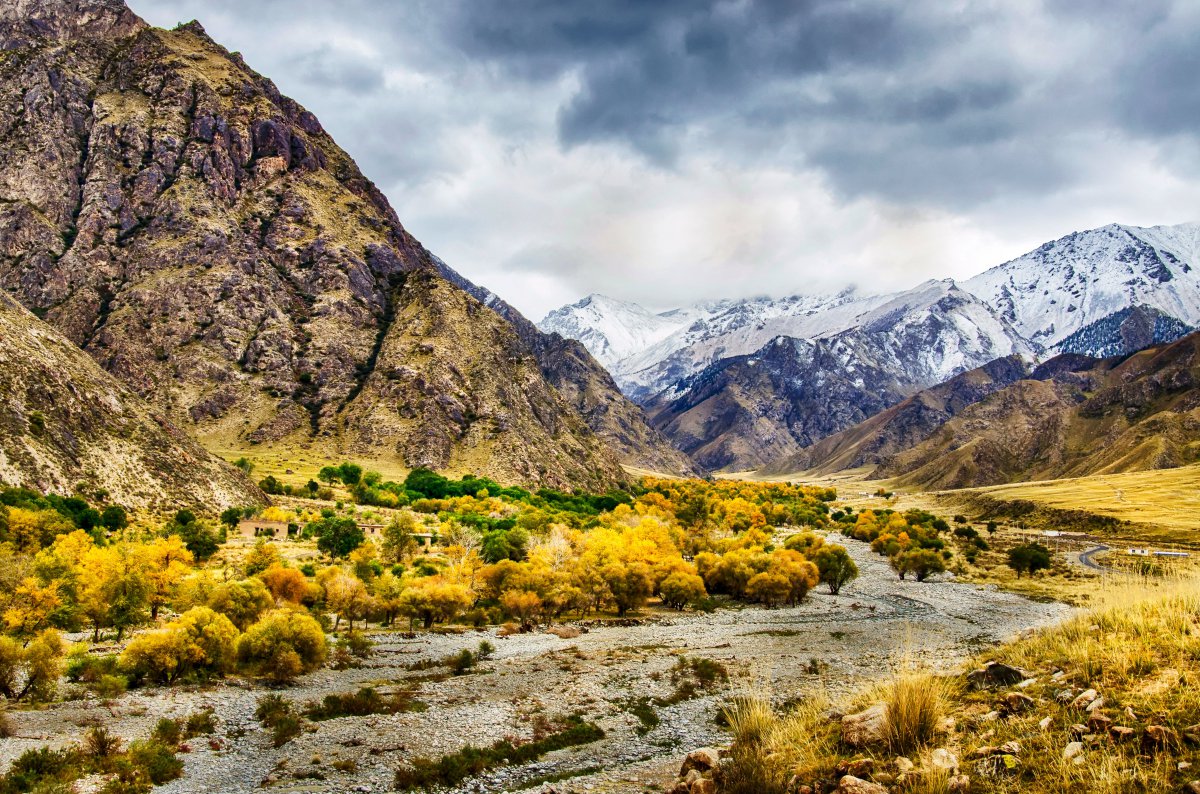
(206, 241)
(1072, 417)
(589, 388)
(66, 424)
(905, 424)
(748, 411)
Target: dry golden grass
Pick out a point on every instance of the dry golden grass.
(1138, 646)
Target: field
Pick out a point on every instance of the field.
(1157, 507)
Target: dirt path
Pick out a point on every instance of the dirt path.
(830, 643)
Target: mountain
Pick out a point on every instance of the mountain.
(66, 425)
(613, 330)
(748, 411)
(589, 389)
(1070, 284)
(721, 385)
(1072, 417)
(208, 243)
(905, 424)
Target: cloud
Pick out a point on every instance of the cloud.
(682, 149)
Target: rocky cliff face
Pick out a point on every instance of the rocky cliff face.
(66, 425)
(205, 240)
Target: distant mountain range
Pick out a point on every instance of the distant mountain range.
(741, 384)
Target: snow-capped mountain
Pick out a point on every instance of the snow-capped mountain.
(748, 410)
(1070, 283)
(613, 330)
(1098, 292)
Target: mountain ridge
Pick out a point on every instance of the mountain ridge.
(207, 242)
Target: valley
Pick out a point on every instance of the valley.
(289, 503)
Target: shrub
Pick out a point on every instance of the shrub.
(452, 769)
(278, 714)
(362, 703)
(243, 602)
(836, 567)
(200, 644)
(99, 745)
(156, 760)
(283, 645)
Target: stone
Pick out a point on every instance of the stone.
(1012, 747)
(986, 751)
(702, 760)
(903, 764)
(1095, 705)
(692, 776)
(865, 727)
(704, 786)
(1017, 703)
(1193, 787)
(853, 785)
(941, 758)
(1045, 723)
(1028, 682)
(1120, 733)
(859, 767)
(1098, 723)
(681, 788)
(999, 765)
(1072, 751)
(1078, 731)
(958, 784)
(1159, 737)
(1084, 698)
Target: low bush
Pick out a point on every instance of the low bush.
(362, 703)
(450, 770)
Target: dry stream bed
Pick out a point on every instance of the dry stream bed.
(829, 642)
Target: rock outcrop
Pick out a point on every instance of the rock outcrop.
(206, 241)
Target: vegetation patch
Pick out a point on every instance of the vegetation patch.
(452, 769)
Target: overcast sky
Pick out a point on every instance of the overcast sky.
(669, 151)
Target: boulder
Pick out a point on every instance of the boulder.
(704, 786)
(1120, 733)
(1084, 699)
(702, 760)
(865, 727)
(1073, 751)
(941, 758)
(853, 785)
(1159, 737)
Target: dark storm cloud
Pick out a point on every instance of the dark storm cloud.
(551, 147)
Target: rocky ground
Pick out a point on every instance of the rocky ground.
(832, 643)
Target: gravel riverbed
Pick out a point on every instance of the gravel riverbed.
(853, 637)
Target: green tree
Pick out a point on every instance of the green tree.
(836, 567)
(1028, 558)
(114, 517)
(681, 588)
(231, 516)
(336, 536)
